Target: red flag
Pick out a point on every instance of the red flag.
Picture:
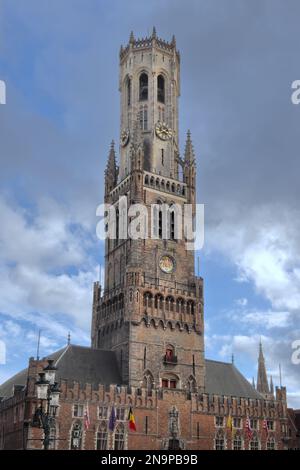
(265, 426)
(248, 428)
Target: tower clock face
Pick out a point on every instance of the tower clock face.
(163, 131)
(124, 137)
(167, 264)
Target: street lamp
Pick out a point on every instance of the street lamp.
(48, 392)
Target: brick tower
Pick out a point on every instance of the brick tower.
(151, 309)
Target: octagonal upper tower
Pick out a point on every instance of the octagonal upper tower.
(150, 86)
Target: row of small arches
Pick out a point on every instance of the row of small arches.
(168, 324)
(179, 305)
(110, 328)
(161, 184)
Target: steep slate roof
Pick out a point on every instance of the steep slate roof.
(96, 366)
(224, 379)
(75, 363)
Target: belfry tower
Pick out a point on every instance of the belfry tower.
(150, 311)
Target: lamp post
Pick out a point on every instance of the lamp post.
(48, 392)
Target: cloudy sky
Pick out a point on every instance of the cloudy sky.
(59, 60)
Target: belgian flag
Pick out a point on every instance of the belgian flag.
(131, 420)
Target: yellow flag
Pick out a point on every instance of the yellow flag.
(229, 422)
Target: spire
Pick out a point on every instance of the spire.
(154, 33)
(173, 42)
(189, 155)
(131, 38)
(262, 381)
(271, 385)
(111, 162)
(111, 172)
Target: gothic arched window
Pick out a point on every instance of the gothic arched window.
(158, 301)
(76, 436)
(191, 385)
(119, 438)
(160, 89)
(148, 382)
(101, 443)
(170, 303)
(147, 299)
(143, 87)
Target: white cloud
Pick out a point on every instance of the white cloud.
(263, 243)
(46, 269)
(262, 319)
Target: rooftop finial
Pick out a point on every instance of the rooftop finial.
(189, 155)
(271, 385)
(131, 38)
(154, 33)
(173, 42)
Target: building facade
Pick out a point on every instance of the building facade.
(147, 334)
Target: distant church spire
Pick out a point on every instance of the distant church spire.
(262, 385)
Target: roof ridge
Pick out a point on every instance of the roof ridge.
(78, 346)
(62, 354)
(220, 362)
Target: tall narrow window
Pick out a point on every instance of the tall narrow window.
(160, 89)
(119, 438)
(101, 443)
(172, 225)
(162, 157)
(128, 92)
(160, 222)
(143, 87)
(76, 436)
(144, 118)
(145, 357)
(220, 441)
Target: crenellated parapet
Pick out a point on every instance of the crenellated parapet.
(148, 43)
